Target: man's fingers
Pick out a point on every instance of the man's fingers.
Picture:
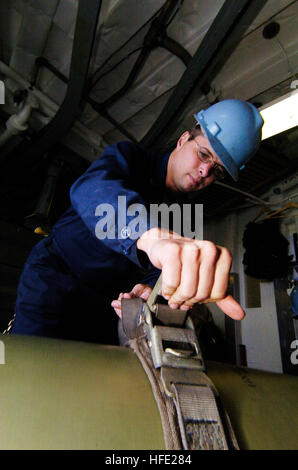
(187, 288)
(116, 304)
(146, 292)
(221, 275)
(199, 263)
(213, 274)
(141, 290)
(231, 308)
(228, 305)
(208, 267)
(193, 271)
(137, 290)
(171, 270)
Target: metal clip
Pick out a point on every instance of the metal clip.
(179, 352)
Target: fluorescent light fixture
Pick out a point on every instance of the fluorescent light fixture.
(280, 115)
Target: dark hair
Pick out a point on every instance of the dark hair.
(195, 131)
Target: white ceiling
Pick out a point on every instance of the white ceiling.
(34, 28)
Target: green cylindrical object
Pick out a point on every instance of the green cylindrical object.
(58, 394)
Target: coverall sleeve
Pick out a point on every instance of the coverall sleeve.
(106, 199)
(151, 276)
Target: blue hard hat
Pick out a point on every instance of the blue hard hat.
(234, 130)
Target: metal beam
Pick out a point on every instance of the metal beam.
(225, 32)
(86, 23)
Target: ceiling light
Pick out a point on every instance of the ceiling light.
(280, 115)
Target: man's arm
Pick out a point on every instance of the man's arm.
(193, 271)
(94, 196)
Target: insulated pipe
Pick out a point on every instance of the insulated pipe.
(52, 108)
(18, 123)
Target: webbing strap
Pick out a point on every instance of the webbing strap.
(191, 420)
(199, 420)
(171, 357)
(166, 406)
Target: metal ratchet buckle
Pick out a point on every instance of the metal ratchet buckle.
(171, 345)
(176, 347)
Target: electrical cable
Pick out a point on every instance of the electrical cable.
(132, 52)
(93, 79)
(118, 63)
(290, 70)
(174, 14)
(244, 193)
(93, 83)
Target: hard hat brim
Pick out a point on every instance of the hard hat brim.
(218, 148)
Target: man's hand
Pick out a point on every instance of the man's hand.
(193, 271)
(139, 290)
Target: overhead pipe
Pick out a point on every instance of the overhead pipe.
(51, 107)
(226, 30)
(86, 23)
(43, 62)
(18, 123)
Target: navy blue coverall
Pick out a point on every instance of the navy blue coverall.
(71, 277)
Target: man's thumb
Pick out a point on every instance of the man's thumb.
(231, 308)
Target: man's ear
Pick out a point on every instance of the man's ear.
(182, 139)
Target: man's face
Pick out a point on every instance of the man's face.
(186, 171)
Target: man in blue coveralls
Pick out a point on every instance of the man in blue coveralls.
(71, 277)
